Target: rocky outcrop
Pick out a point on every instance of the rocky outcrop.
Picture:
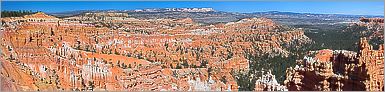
(339, 70)
(268, 83)
(373, 20)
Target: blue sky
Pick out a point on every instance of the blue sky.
(352, 8)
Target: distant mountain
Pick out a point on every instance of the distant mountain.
(308, 14)
(276, 12)
(209, 15)
(77, 12)
(291, 18)
(177, 10)
(70, 13)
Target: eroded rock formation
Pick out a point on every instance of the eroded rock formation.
(268, 83)
(339, 70)
(110, 51)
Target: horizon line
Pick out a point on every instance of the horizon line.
(348, 8)
(103, 10)
(220, 0)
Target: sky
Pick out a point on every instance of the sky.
(345, 7)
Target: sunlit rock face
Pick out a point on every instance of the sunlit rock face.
(41, 17)
(339, 70)
(268, 83)
(114, 52)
